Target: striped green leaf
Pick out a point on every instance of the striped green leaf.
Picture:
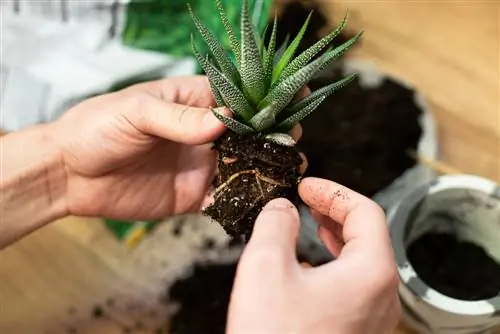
(220, 55)
(317, 94)
(269, 56)
(230, 93)
(281, 50)
(340, 50)
(233, 40)
(289, 122)
(251, 70)
(232, 124)
(306, 56)
(217, 97)
(264, 119)
(284, 93)
(262, 42)
(290, 51)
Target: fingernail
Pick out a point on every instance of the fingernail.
(279, 204)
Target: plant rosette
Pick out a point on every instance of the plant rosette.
(439, 296)
(370, 76)
(258, 160)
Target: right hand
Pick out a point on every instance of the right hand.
(355, 294)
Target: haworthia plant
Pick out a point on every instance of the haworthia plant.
(261, 85)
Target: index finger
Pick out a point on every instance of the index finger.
(364, 224)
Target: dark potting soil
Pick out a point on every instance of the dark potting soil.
(204, 298)
(252, 171)
(360, 137)
(456, 268)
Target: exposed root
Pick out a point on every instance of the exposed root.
(260, 187)
(271, 181)
(228, 161)
(259, 177)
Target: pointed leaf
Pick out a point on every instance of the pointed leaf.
(264, 119)
(281, 50)
(300, 115)
(312, 51)
(233, 41)
(269, 56)
(220, 55)
(319, 93)
(290, 51)
(232, 124)
(340, 50)
(261, 40)
(217, 97)
(231, 95)
(251, 70)
(285, 91)
(282, 139)
(283, 94)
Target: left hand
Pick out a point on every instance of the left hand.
(140, 153)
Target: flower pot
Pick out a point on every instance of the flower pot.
(467, 208)
(370, 76)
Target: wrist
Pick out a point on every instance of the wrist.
(33, 182)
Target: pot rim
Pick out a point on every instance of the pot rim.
(406, 271)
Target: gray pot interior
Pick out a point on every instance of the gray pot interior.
(465, 206)
(469, 214)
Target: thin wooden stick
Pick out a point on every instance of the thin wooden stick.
(437, 166)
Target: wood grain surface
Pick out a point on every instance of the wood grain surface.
(51, 281)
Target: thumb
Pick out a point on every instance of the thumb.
(176, 122)
(276, 229)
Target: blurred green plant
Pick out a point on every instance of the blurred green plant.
(165, 25)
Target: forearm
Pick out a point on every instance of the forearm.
(32, 183)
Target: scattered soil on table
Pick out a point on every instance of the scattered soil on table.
(204, 298)
(252, 172)
(456, 268)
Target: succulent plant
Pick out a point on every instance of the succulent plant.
(261, 85)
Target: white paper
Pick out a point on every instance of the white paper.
(55, 53)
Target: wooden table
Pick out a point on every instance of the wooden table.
(51, 281)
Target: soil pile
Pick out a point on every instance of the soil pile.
(456, 268)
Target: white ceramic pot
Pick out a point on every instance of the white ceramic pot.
(474, 204)
(370, 76)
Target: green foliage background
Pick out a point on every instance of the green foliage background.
(165, 25)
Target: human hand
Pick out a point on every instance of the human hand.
(140, 153)
(143, 152)
(356, 293)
